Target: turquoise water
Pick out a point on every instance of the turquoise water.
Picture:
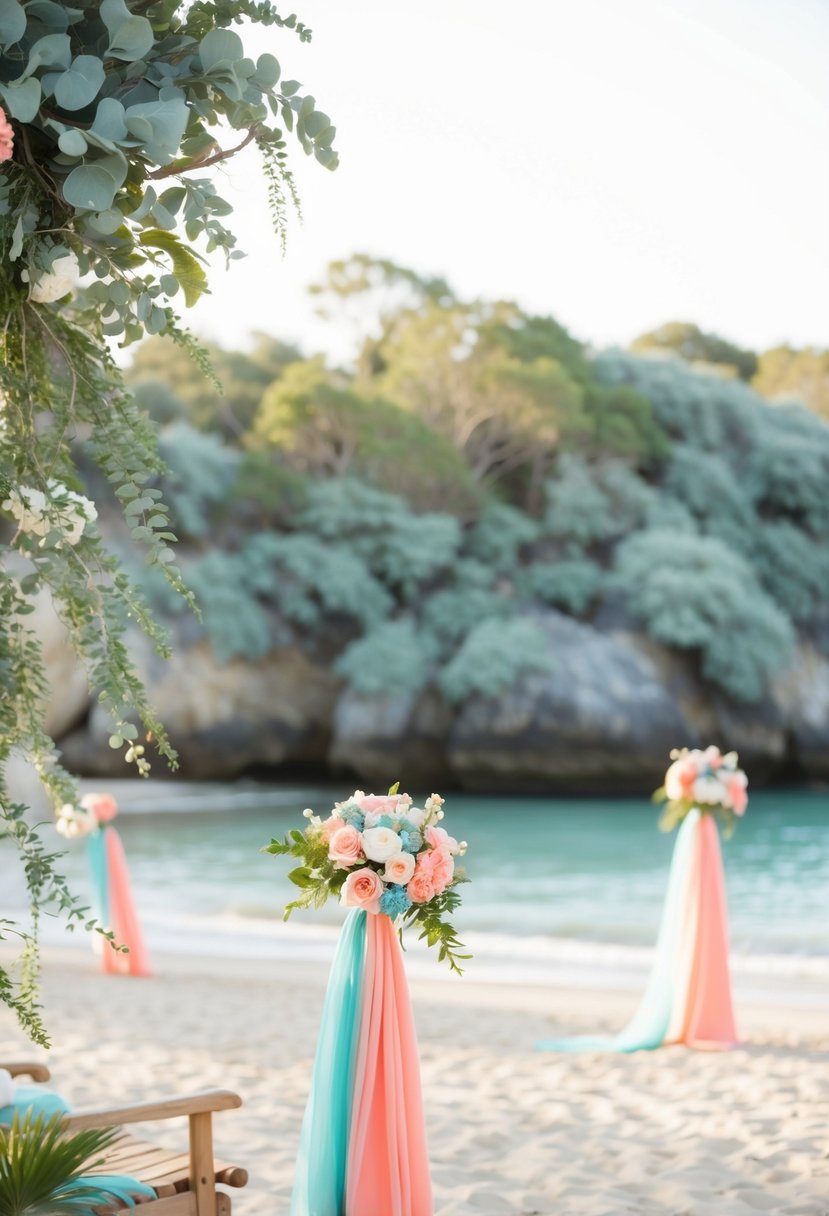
(592, 870)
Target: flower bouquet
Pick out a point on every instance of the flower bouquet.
(363, 1144)
(707, 780)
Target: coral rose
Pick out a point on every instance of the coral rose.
(421, 887)
(346, 846)
(6, 137)
(438, 864)
(362, 889)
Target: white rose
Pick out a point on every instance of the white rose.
(673, 785)
(415, 816)
(379, 844)
(7, 1088)
(55, 283)
(399, 868)
(708, 790)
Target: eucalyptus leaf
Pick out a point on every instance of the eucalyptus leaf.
(132, 39)
(22, 100)
(220, 47)
(72, 142)
(53, 50)
(12, 22)
(90, 188)
(80, 84)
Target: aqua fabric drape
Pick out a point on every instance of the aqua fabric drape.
(319, 1186)
(648, 1028)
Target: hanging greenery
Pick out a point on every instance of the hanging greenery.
(110, 113)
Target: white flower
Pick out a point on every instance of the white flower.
(55, 283)
(415, 816)
(63, 510)
(708, 790)
(7, 1088)
(75, 821)
(379, 844)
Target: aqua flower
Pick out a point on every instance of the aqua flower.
(411, 841)
(394, 902)
(354, 816)
(386, 821)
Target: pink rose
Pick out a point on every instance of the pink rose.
(375, 805)
(346, 846)
(362, 889)
(6, 138)
(421, 888)
(440, 867)
(439, 838)
(738, 794)
(399, 869)
(102, 806)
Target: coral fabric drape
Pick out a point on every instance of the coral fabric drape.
(688, 996)
(363, 1144)
(116, 907)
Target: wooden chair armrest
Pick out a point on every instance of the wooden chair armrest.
(168, 1108)
(38, 1072)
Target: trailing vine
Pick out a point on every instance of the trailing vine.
(110, 113)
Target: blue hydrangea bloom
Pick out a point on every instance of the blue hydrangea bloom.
(386, 821)
(354, 816)
(394, 901)
(411, 841)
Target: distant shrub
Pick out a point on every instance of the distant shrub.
(201, 469)
(500, 535)
(705, 409)
(404, 550)
(714, 495)
(577, 508)
(453, 613)
(493, 658)
(305, 578)
(235, 622)
(695, 593)
(393, 659)
(793, 567)
(789, 466)
(571, 583)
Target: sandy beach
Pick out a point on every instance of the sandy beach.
(511, 1131)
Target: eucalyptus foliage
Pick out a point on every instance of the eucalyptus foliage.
(117, 111)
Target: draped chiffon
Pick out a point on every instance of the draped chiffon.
(116, 906)
(688, 995)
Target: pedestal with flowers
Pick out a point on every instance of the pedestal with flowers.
(91, 819)
(688, 996)
(363, 1144)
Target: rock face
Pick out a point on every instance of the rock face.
(603, 721)
(383, 738)
(224, 719)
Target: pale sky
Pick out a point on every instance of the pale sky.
(616, 163)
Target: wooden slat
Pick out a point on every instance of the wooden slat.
(143, 1112)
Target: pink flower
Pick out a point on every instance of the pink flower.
(6, 138)
(421, 887)
(375, 805)
(680, 778)
(102, 806)
(440, 867)
(346, 846)
(439, 838)
(330, 825)
(738, 793)
(362, 889)
(399, 869)
(714, 757)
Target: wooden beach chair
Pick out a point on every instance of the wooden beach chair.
(184, 1183)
